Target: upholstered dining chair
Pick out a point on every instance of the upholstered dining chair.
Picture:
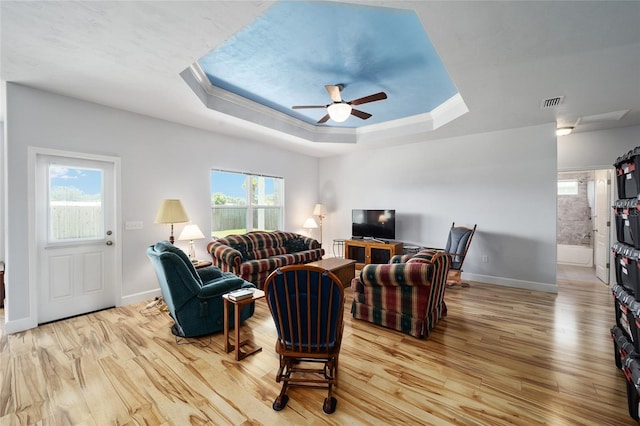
(307, 306)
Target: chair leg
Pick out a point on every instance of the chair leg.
(283, 398)
(454, 277)
(330, 402)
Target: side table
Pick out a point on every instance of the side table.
(338, 248)
(251, 348)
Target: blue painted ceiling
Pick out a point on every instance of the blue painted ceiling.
(287, 56)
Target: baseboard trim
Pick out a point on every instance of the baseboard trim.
(509, 282)
(140, 297)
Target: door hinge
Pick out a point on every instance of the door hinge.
(608, 265)
(608, 224)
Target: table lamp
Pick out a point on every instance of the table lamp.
(191, 232)
(310, 224)
(171, 211)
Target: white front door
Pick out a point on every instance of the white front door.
(75, 218)
(602, 222)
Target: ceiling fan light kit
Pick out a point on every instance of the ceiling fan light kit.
(339, 112)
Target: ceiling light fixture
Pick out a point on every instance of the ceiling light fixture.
(563, 131)
(339, 111)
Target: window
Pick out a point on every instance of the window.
(242, 202)
(75, 203)
(567, 187)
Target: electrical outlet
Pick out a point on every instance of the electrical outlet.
(485, 259)
(130, 225)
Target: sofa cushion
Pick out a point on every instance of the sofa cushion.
(294, 245)
(242, 248)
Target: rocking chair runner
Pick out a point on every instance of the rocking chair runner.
(307, 306)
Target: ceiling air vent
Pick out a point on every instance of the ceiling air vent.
(552, 102)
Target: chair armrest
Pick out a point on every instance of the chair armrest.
(220, 286)
(401, 258)
(397, 275)
(209, 273)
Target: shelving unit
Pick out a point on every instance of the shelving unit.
(365, 252)
(626, 291)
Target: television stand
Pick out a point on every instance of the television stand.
(367, 251)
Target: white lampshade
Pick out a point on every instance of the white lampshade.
(339, 112)
(191, 232)
(319, 210)
(310, 223)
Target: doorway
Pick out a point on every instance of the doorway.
(77, 252)
(583, 232)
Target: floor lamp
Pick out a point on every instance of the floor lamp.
(171, 211)
(320, 211)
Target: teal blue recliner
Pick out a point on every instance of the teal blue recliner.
(194, 296)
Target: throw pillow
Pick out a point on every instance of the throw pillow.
(295, 245)
(242, 248)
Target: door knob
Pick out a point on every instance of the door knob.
(109, 232)
(109, 243)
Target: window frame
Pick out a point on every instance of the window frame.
(250, 206)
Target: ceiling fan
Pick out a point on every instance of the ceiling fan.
(340, 110)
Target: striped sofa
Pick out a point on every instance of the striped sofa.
(407, 294)
(254, 255)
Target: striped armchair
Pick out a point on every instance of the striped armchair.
(406, 294)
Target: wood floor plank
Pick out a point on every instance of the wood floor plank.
(502, 356)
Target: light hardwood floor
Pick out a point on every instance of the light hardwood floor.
(502, 357)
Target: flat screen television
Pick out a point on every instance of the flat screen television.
(374, 224)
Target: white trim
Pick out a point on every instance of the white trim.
(237, 106)
(510, 282)
(32, 154)
(140, 297)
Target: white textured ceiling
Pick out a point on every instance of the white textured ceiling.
(504, 57)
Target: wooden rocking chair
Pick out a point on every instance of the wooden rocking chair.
(457, 246)
(307, 306)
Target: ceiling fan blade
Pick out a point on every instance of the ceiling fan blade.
(360, 114)
(308, 106)
(323, 119)
(371, 98)
(334, 92)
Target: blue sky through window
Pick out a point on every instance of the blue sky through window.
(232, 184)
(88, 181)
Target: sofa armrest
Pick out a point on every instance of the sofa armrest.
(397, 275)
(224, 254)
(220, 286)
(310, 243)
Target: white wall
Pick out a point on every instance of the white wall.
(504, 181)
(159, 160)
(597, 149)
